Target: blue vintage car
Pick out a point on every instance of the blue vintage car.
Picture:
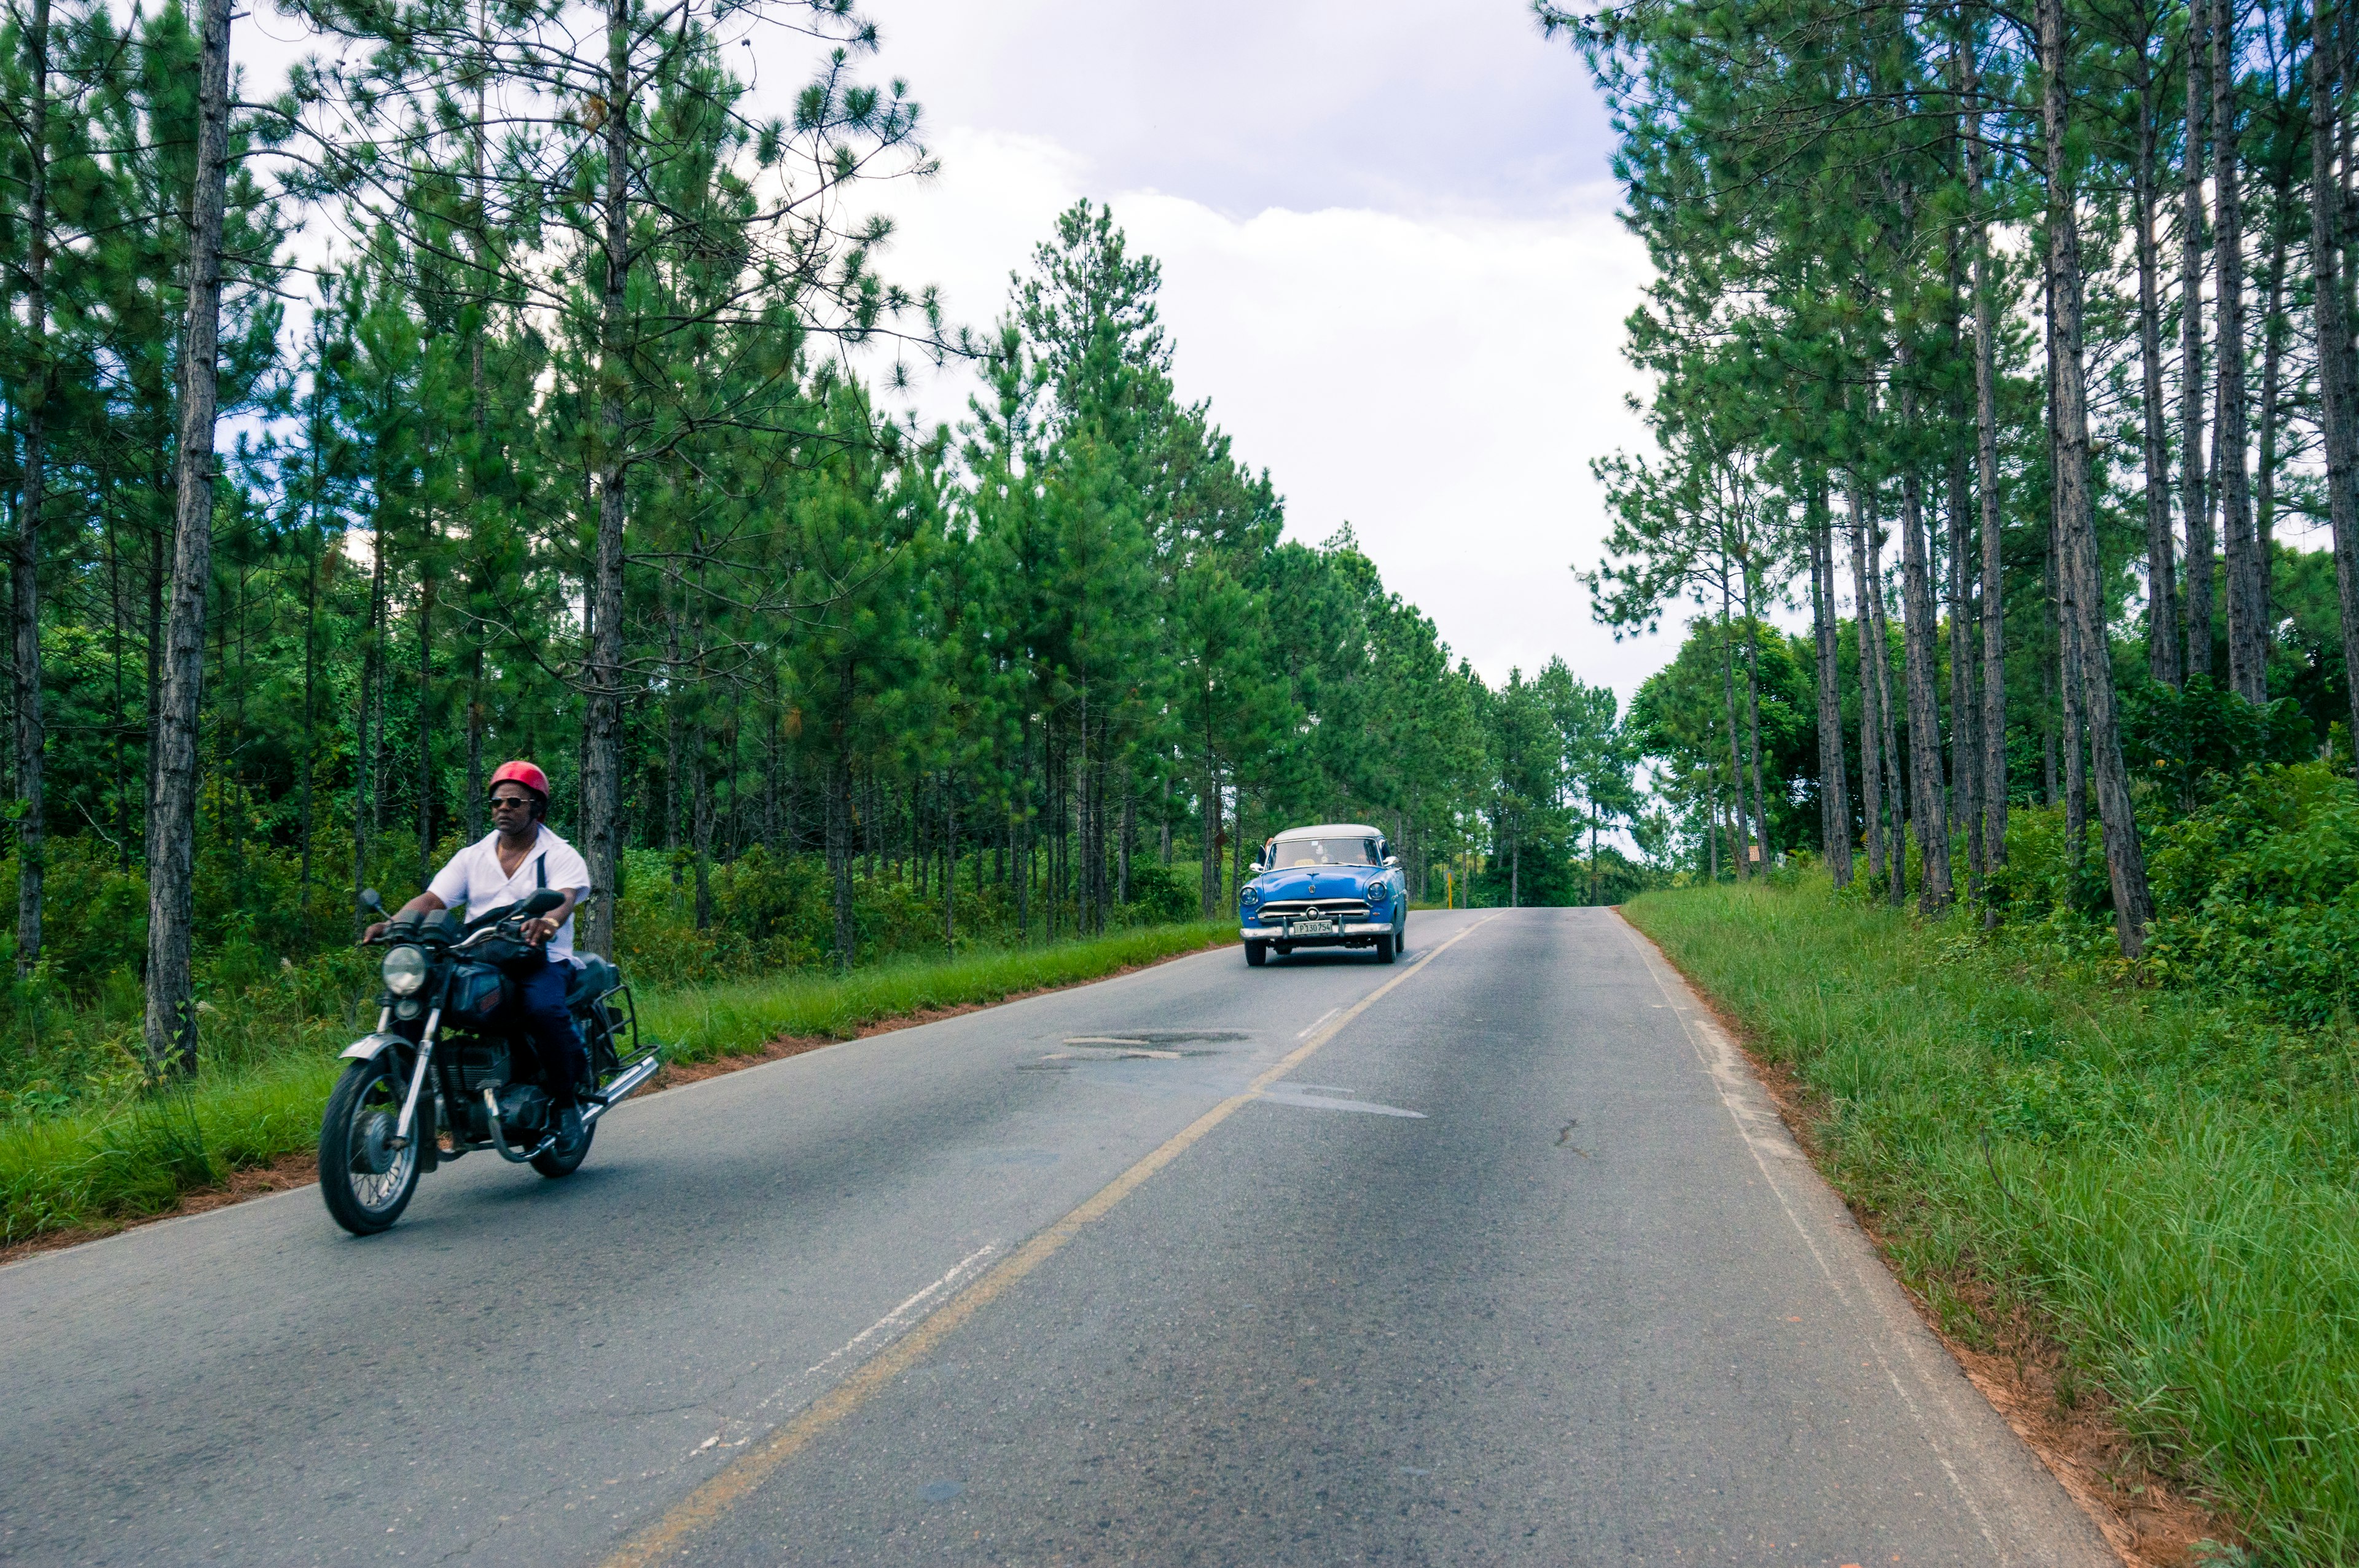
(1337, 884)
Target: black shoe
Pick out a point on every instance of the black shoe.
(591, 1097)
(569, 1124)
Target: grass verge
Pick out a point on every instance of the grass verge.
(2163, 1181)
(92, 1170)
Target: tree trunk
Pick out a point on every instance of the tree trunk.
(601, 753)
(2071, 656)
(1129, 836)
(700, 775)
(2066, 627)
(2338, 375)
(362, 758)
(1986, 497)
(2161, 567)
(2125, 858)
(170, 1025)
(2264, 480)
(1965, 760)
(1834, 787)
(476, 790)
(838, 850)
(1211, 828)
(1921, 663)
(673, 697)
(1728, 691)
(1753, 720)
(2194, 500)
(2248, 630)
(1237, 845)
(1711, 828)
(31, 737)
(310, 743)
(425, 706)
(1871, 753)
(1888, 741)
(949, 864)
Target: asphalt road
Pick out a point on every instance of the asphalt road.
(1509, 1263)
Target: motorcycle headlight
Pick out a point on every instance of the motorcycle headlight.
(405, 971)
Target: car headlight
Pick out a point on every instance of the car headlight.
(405, 971)
(1252, 895)
(1378, 891)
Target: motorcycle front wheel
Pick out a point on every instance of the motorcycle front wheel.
(365, 1181)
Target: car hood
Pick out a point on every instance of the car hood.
(1326, 881)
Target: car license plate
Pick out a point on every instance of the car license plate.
(1311, 929)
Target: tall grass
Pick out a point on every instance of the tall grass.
(139, 1154)
(736, 1017)
(2167, 1178)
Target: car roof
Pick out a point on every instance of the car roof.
(1328, 831)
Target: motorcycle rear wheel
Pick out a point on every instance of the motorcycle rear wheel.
(564, 1159)
(365, 1182)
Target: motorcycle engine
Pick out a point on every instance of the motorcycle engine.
(524, 1108)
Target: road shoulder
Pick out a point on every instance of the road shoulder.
(2136, 1517)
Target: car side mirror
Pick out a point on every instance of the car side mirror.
(542, 901)
(1392, 863)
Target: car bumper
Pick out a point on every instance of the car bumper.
(1352, 932)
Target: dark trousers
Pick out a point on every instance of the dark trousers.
(542, 986)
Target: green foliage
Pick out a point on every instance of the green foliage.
(2191, 743)
(2257, 895)
(1682, 715)
(2166, 1179)
(1161, 894)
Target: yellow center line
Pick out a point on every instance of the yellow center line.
(731, 1484)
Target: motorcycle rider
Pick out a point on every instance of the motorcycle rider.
(520, 856)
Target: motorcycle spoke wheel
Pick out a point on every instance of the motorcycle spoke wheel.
(365, 1181)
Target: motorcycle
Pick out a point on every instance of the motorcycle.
(445, 1062)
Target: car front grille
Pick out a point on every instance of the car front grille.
(1327, 908)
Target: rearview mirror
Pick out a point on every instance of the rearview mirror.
(369, 900)
(542, 901)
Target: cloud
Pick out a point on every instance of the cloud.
(1439, 381)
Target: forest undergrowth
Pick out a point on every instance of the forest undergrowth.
(2160, 1164)
(86, 1141)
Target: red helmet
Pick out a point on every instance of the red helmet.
(523, 772)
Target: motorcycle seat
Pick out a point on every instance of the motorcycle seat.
(592, 978)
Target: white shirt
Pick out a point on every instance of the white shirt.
(473, 878)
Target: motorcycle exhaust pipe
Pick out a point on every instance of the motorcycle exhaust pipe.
(621, 1088)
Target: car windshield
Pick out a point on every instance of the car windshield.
(1289, 854)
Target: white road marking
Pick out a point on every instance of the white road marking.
(900, 1317)
(1322, 1097)
(1321, 1019)
(663, 1537)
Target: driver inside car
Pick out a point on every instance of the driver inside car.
(520, 856)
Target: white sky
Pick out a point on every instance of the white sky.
(1389, 259)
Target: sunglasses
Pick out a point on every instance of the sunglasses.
(523, 802)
